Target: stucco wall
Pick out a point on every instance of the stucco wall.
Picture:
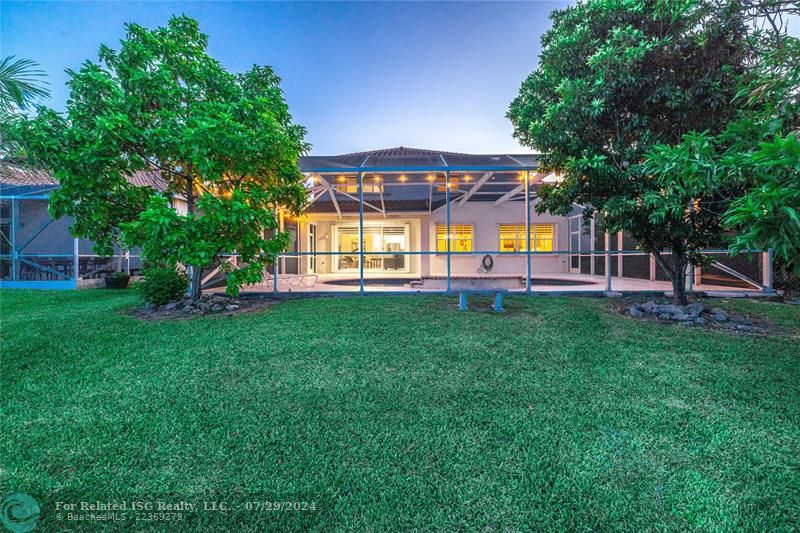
(485, 219)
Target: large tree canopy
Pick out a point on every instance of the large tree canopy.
(756, 158)
(615, 79)
(223, 142)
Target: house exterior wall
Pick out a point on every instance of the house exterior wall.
(484, 217)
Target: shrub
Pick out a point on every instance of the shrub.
(161, 285)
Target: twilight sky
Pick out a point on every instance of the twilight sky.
(358, 75)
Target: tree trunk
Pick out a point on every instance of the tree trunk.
(118, 267)
(194, 283)
(675, 270)
(196, 271)
(678, 278)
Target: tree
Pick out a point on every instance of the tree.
(756, 158)
(615, 79)
(768, 216)
(224, 143)
(21, 86)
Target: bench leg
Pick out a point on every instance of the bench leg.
(462, 301)
(498, 302)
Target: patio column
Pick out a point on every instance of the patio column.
(767, 266)
(361, 233)
(592, 246)
(449, 235)
(275, 260)
(608, 261)
(76, 258)
(282, 260)
(13, 239)
(527, 231)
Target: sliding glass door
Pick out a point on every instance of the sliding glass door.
(378, 240)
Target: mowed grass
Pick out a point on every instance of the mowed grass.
(401, 413)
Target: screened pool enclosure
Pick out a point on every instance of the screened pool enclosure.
(408, 220)
(395, 220)
(37, 251)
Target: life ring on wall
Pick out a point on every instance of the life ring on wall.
(486, 264)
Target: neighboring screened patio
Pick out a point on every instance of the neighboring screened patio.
(37, 251)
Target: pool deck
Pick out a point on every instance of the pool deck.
(573, 283)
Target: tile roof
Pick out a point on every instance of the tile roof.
(13, 176)
(415, 158)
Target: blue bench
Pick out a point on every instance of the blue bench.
(497, 293)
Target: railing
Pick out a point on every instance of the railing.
(610, 270)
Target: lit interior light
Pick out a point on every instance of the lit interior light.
(430, 177)
(467, 177)
(403, 178)
(340, 178)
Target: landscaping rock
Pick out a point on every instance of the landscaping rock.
(207, 304)
(695, 309)
(695, 314)
(647, 307)
(719, 315)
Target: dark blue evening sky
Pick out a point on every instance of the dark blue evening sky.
(359, 76)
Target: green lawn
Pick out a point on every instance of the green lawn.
(401, 412)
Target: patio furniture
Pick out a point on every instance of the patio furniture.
(347, 261)
(291, 280)
(498, 298)
(394, 262)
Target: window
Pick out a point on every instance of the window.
(376, 239)
(349, 184)
(513, 238)
(460, 238)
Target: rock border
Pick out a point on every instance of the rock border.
(209, 304)
(694, 314)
